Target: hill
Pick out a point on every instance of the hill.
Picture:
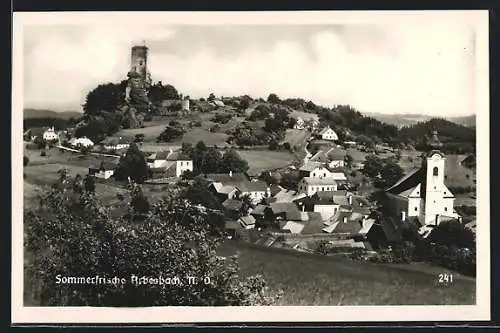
(320, 280)
(411, 119)
(43, 113)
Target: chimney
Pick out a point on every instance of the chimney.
(268, 192)
(230, 173)
(303, 208)
(344, 219)
(403, 216)
(349, 198)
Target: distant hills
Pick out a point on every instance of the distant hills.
(411, 119)
(42, 113)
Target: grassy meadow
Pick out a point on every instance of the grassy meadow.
(319, 280)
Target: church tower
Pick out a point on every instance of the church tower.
(434, 188)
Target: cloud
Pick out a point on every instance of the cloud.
(390, 69)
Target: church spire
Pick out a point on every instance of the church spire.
(433, 143)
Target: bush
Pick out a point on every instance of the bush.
(43, 153)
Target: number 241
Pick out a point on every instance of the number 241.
(445, 278)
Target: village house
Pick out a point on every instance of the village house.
(103, 169)
(336, 159)
(422, 192)
(300, 124)
(255, 189)
(217, 103)
(247, 222)
(328, 134)
(83, 142)
(116, 143)
(50, 135)
(310, 185)
(173, 164)
(314, 169)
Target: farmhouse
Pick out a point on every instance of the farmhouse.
(247, 222)
(173, 163)
(81, 142)
(256, 189)
(422, 193)
(310, 185)
(300, 124)
(336, 159)
(116, 143)
(315, 170)
(50, 135)
(103, 170)
(328, 134)
(217, 103)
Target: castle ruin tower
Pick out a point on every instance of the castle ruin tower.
(139, 63)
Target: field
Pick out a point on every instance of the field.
(296, 137)
(317, 280)
(153, 129)
(259, 160)
(40, 175)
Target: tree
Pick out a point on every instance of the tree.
(348, 160)
(158, 92)
(132, 165)
(139, 202)
(89, 183)
(273, 99)
(247, 204)
(171, 133)
(273, 145)
(105, 97)
(391, 172)
(96, 130)
(198, 193)
(453, 233)
(373, 165)
(74, 235)
(231, 161)
(211, 97)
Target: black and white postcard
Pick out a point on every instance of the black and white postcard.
(183, 167)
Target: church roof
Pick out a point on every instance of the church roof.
(406, 184)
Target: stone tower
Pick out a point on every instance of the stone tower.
(434, 181)
(139, 62)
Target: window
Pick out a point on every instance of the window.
(314, 174)
(445, 209)
(324, 174)
(416, 208)
(181, 163)
(323, 188)
(435, 171)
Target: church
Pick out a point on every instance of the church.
(422, 193)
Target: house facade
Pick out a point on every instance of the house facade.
(328, 134)
(311, 185)
(81, 142)
(116, 143)
(173, 163)
(423, 194)
(104, 170)
(50, 135)
(300, 124)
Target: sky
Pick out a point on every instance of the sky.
(426, 68)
